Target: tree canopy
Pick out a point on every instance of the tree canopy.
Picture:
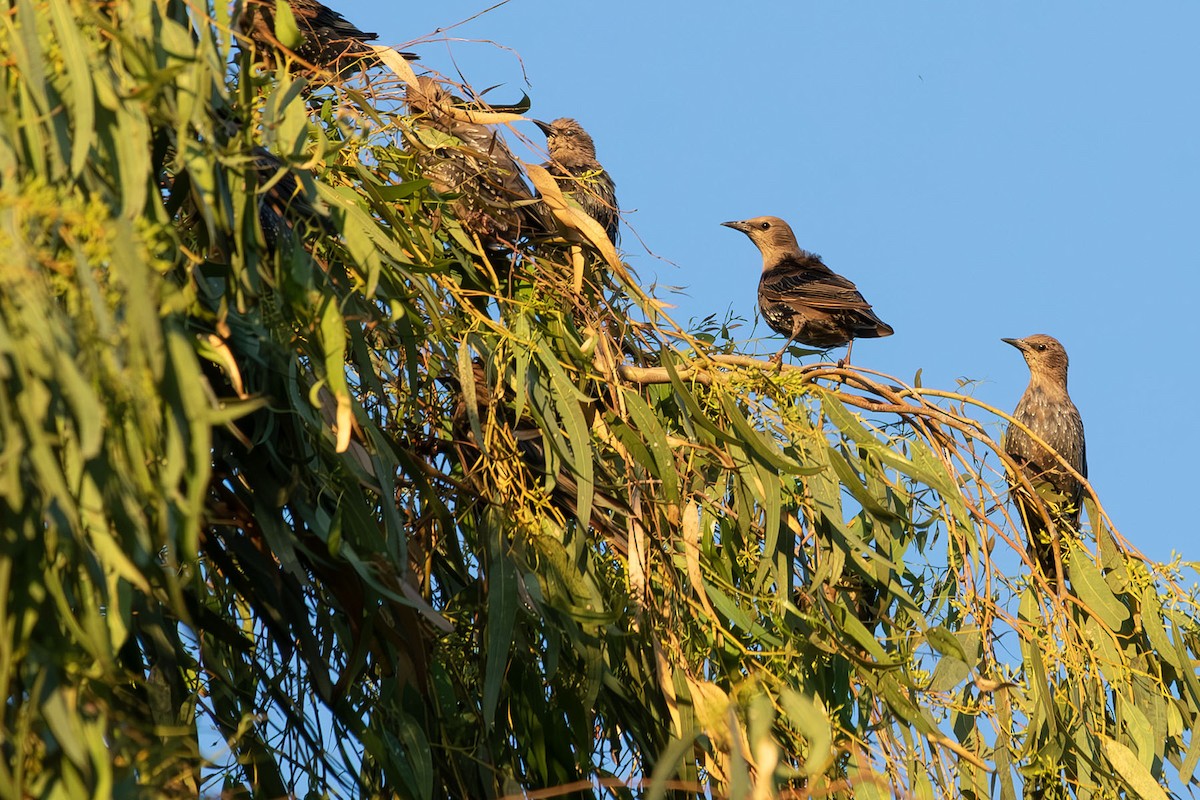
(314, 484)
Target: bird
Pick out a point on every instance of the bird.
(470, 160)
(1046, 410)
(283, 202)
(801, 298)
(331, 42)
(581, 177)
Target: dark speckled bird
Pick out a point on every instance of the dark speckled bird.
(283, 203)
(803, 299)
(1047, 410)
(331, 42)
(580, 176)
(470, 160)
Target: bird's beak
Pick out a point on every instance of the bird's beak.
(737, 225)
(1017, 343)
(545, 126)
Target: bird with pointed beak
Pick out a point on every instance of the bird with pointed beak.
(801, 298)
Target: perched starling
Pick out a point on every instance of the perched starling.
(470, 159)
(286, 212)
(331, 42)
(580, 176)
(1047, 410)
(282, 202)
(803, 299)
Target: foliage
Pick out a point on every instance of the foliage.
(392, 511)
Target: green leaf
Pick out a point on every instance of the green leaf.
(1152, 623)
(949, 673)
(79, 76)
(1094, 592)
(564, 395)
(758, 444)
(502, 602)
(868, 783)
(809, 717)
(1187, 769)
(655, 440)
(1132, 771)
(469, 393)
(945, 642)
(286, 30)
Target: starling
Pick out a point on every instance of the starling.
(803, 299)
(331, 42)
(1047, 410)
(282, 202)
(580, 176)
(470, 159)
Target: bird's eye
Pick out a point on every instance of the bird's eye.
(764, 225)
(1041, 348)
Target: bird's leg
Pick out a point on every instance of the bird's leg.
(778, 357)
(844, 360)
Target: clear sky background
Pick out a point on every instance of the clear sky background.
(979, 170)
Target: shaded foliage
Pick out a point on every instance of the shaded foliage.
(252, 489)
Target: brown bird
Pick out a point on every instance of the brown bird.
(803, 299)
(1047, 410)
(580, 176)
(470, 160)
(331, 42)
(283, 202)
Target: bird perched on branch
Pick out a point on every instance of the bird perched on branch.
(331, 42)
(470, 159)
(577, 172)
(1046, 410)
(803, 299)
(282, 202)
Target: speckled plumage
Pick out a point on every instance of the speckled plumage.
(580, 176)
(331, 42)
(1046, 409)
(283, 202)
(473, 162)
(800, 297)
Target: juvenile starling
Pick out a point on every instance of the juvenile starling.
(282, 202)
(470, 159)
(803, 299)
(331, 42)
(1047, 410)
(580, 176)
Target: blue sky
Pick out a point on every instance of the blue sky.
(979, 170)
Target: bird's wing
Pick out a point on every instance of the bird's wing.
(814, 285)
(323, 17)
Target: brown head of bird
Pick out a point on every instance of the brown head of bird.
(567, 141)
(428, 96)
(1046, 357)
(772, 236)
